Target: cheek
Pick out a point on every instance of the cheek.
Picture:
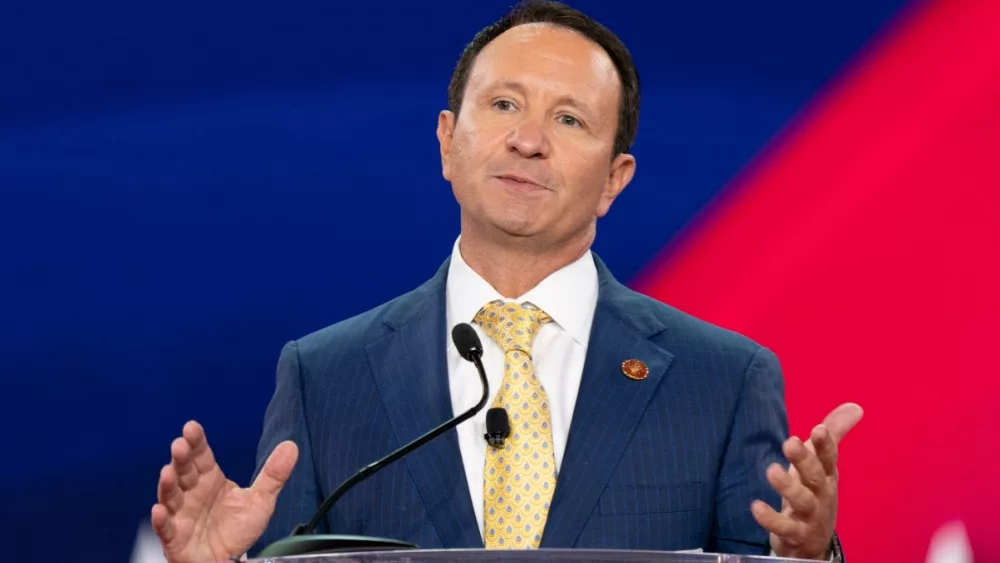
(590, 178)
(463, 147)
(463, 165)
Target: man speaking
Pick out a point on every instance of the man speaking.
(633, 425)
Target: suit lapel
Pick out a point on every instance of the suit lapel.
(411, 370)
(608, 408)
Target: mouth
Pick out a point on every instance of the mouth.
(520, 182)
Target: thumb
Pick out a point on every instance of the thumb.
(277, 469)
(842, 419)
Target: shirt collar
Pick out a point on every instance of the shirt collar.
(568, 295)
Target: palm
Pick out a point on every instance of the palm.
(202, 516)
(221, 520)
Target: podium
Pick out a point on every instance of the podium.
(527, 555)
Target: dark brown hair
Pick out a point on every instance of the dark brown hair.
(556, 13)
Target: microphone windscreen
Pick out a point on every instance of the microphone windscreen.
(466, 341)
(497, 421)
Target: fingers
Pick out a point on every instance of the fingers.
(201, 454)
(842, 419)
(826, 449)
(168, 480)
(276, 471)
(190, 456)
(802, 500)
(168, 493)
(775, 522)
(810, 470)
(161, 523)
(181, 458)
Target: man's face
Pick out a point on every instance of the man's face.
(530, 153)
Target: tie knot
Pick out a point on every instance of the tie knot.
(511, 325)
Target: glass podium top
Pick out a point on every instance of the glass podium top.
(535, 555)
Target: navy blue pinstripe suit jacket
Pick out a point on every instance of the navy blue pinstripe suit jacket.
(669, 462)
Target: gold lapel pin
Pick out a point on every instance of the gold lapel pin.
(635, 369)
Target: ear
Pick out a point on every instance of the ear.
(622, 170)
(445, 132)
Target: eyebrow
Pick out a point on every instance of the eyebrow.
(566, 100)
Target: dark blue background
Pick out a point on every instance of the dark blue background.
(185, 186)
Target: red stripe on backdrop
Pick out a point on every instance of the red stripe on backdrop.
(864, 248)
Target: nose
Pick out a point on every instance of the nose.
(529, 138)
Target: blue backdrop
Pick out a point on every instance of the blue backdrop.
(185, 186)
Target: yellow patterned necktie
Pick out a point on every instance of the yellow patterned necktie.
(521, 476)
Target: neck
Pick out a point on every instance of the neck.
(515, 265)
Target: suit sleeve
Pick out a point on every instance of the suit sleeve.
(759, 427)
(285, 419)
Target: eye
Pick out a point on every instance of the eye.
(504, 105)
(569, 120)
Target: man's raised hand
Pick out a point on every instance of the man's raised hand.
(804, 528)
(203, 517)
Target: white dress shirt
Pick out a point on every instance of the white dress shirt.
(569, 296)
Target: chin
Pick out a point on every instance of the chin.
(512, 229)
(517, 222)
(515, 230)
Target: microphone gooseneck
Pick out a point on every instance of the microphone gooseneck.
(471, 348)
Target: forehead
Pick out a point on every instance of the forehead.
(550, 57)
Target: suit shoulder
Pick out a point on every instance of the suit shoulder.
(354, 330)
(354, 333)
(685, 331)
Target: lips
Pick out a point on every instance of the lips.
(519, 180)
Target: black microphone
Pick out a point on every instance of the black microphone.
(497, 426)
(469, 347)
(302, 541)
